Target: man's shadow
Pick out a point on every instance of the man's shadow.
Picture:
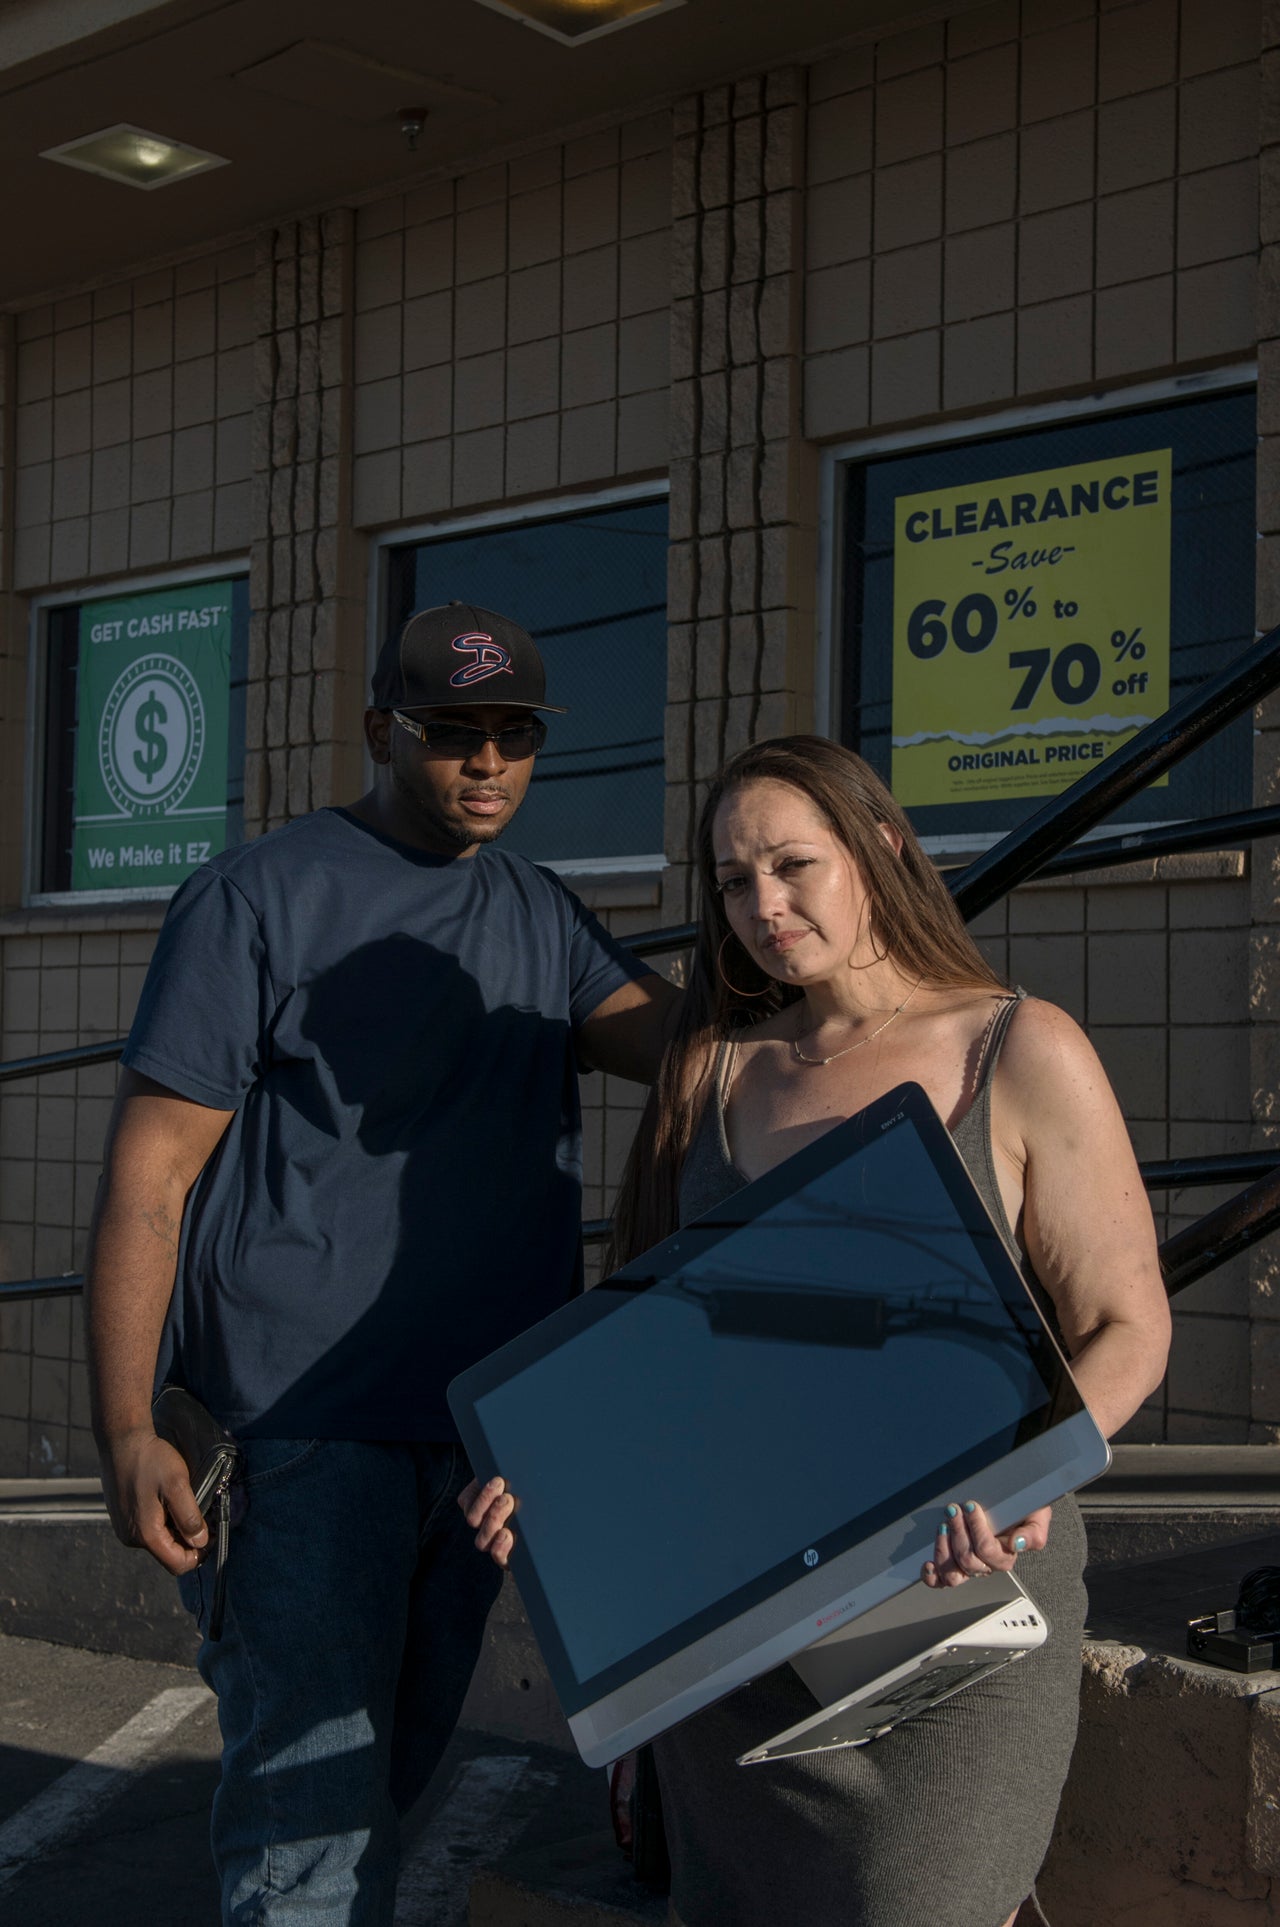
(470, 1185)
(436, 1081)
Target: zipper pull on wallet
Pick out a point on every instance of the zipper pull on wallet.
(222, 1542)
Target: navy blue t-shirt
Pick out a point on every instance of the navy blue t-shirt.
(400, 1189)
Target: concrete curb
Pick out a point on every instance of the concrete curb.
(65, 1577)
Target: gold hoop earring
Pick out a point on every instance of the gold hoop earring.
(876, 957)
(733, 988)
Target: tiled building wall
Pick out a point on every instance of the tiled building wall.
(132, 424)
(63, 982)
(511, 329)
(1020, 202)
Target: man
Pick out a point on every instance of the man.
(348, 1128)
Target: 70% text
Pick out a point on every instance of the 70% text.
(1074, 671)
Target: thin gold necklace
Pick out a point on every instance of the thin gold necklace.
(817, 1062)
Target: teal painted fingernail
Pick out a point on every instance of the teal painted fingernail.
(971, 1505)
(952, 1510)
(1019, 1544)
(942, 1529)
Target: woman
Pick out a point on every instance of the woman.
(831, 965)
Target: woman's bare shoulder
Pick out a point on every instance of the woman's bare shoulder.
(967, 1011)
(778, 1027)
(701, 1064)
(1038, 1028)
(1046, 1050)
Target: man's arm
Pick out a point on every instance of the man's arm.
(627, 1034)
(157, 1145)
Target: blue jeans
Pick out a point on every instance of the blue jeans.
(356, 1605)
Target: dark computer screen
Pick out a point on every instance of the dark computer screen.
(794, 1377)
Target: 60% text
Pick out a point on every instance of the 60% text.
(1074, 672)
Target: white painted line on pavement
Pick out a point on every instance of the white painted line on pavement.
(84, 1789)
(469, 1825)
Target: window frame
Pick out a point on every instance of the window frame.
(645, 867)
(839, 458)
(36, 734)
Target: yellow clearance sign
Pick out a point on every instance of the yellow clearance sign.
(1030, 627)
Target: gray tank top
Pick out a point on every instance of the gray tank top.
(710, 1174)
(819, 1839)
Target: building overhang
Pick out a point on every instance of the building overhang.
(306, 101)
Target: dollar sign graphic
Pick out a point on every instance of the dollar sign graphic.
(150, 720)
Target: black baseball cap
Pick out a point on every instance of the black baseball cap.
(460, 654)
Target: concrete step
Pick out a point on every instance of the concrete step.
(65, 1577)
(1219, 1475)
(1156, 1501)
(50, 1495)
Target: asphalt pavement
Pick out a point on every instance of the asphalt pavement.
(107, 1770)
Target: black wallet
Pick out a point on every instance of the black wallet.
(213, 1459)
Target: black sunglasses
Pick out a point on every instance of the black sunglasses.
(465, 740)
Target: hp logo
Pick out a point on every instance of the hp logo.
(811, 1557)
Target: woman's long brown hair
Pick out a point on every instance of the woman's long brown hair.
(913, 920)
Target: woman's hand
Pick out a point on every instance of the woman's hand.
(967, 1548)
(488, 1507)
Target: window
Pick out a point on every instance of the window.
(143, 764)
(591, 588)
(1017, 607)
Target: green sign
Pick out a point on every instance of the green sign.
(151, 736)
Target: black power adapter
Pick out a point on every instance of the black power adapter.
(1245, 1638)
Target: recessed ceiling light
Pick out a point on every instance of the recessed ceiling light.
(573, 21)
(134, 156)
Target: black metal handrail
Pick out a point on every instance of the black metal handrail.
(79, 1058)
(1218, 1167)
(1047, 844)
(1064, 819)
(68, 1285)
(1184, 1258)
(1222, 1234)
(1157, 1174)
(1165, 839)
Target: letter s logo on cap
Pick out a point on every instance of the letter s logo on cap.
(488, 658)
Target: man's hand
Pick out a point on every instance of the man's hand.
(156, 1146)
(149, 1498)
